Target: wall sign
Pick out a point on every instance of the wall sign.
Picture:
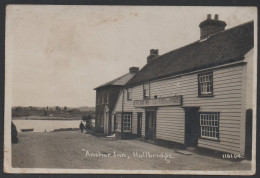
(165, 101)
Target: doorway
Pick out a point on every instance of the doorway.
(150, 128)
(139, 125)
(192, 126)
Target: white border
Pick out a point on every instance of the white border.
(7, 135)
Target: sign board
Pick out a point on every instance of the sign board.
(165, 101)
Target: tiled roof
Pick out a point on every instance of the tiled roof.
(120, 81)
(223, 47)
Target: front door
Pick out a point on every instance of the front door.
(150, 125)
(192, 130)
(139, 125)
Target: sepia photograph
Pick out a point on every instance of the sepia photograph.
(130, 89)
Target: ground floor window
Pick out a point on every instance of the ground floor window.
(127, 118)
(209, 125)
(100, 119)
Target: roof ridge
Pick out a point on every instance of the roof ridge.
(233, 45)
(232, 28)
(112, 81)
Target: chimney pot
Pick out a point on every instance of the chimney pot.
(211, 26)
(153, 54)
(133, 69)
(216, 16)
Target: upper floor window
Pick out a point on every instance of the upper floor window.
(146, 90)
(103, 97)
(209, 125)
(205, 84)
(127, 119)
(107, 98)
(129, 94)
(99, 97)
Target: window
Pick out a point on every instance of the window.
(103, 97)
(209, 125)
(101, 120)
(129, 94)
(127, 122)
(98, 98)
(107, 97)
(146, 91)
(206, 84)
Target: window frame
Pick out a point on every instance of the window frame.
(123, 129)
(102, 120)
(107, 97)
(217, 128)
(129, 90)
(100, 97)
(211, 94)
(103, 97)
(144, 96)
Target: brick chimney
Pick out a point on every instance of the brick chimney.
(133, 69)
(211, 26)
(153, 54)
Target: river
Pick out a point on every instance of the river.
(45, 125)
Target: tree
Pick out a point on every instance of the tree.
(57, 109)
(65, 109)
(18, 108)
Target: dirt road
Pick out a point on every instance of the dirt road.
(76, 150)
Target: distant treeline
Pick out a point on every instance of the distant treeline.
(49, 111)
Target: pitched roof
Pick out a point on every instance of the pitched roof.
(120, 81)
(223, 47)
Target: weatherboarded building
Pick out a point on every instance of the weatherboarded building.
(106, 97)
(197, 95)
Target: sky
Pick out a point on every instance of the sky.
(57, 55)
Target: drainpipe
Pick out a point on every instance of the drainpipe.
(122, 114)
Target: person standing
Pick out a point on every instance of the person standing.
(81, 126)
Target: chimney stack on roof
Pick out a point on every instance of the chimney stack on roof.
(211, 26)
(133, 69)
(154, 53)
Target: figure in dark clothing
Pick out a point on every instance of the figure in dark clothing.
(81, 126)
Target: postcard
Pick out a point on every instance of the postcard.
(130, 89)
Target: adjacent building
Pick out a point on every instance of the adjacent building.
(197, 95)
(106, 97)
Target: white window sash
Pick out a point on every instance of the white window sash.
(209, 124)
(127, 123)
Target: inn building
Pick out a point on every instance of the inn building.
(106, 97)
(197, 95)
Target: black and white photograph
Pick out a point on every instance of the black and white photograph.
(130, 89)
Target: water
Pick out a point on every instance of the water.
(45, 125)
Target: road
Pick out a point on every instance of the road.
(72, 149)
